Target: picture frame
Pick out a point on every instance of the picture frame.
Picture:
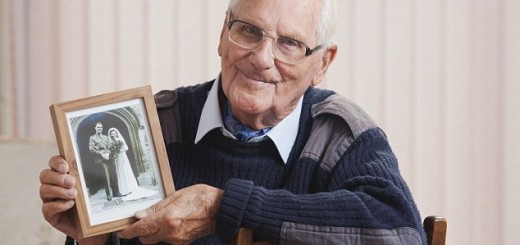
(114, 145)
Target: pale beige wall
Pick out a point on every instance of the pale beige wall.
(441, 77)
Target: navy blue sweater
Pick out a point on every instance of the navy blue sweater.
(362, 189)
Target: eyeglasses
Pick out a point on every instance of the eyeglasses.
(249, 36)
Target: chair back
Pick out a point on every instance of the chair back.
(435, 228)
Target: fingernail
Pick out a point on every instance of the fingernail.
(70, 203)
(72, 192)
(69, 181)
(62, 168)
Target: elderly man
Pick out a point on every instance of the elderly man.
(261, 147)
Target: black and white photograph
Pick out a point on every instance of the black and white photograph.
(120, 161)
(115, 160)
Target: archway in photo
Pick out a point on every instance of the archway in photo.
(129, 124)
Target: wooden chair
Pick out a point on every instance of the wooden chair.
(435, 227)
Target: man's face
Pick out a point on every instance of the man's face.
(99, 128)
(256, 84)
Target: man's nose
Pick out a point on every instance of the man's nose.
(262, 56)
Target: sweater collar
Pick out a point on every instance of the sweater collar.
(283, 134)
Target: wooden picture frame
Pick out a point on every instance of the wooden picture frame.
(102, 165)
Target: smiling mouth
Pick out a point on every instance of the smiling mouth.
(257, 79)
(253, 78)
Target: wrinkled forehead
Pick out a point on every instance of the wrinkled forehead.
(293, 18)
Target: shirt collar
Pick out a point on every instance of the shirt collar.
(283, 134)
(211, 116)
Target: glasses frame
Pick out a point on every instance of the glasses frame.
(308, 50)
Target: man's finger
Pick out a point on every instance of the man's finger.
(51, 209)
(144, 227)
(155, 208)
(52, 177)
(52, 192)
(58, 164)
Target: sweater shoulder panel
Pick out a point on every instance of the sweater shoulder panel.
(337, 122)
(356, 118)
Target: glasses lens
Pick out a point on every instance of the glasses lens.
(245, 35)
(290, 50)
(248, 36)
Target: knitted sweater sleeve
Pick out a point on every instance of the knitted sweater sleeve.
(362, 198)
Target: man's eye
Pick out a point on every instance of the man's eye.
(288, 42)
(289, 45)
(251, 31)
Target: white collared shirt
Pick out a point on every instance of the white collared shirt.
(282, 134)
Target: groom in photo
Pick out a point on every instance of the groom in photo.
(99, 146)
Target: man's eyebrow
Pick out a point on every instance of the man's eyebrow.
(292, 34)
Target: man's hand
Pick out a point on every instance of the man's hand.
(58, 193)
(181, 218)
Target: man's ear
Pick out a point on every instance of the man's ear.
(219, 49)
(326, 59)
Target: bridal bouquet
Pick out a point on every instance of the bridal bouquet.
(115, 148)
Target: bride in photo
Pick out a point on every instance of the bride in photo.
(126, 180)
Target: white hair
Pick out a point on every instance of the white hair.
(326, 29)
